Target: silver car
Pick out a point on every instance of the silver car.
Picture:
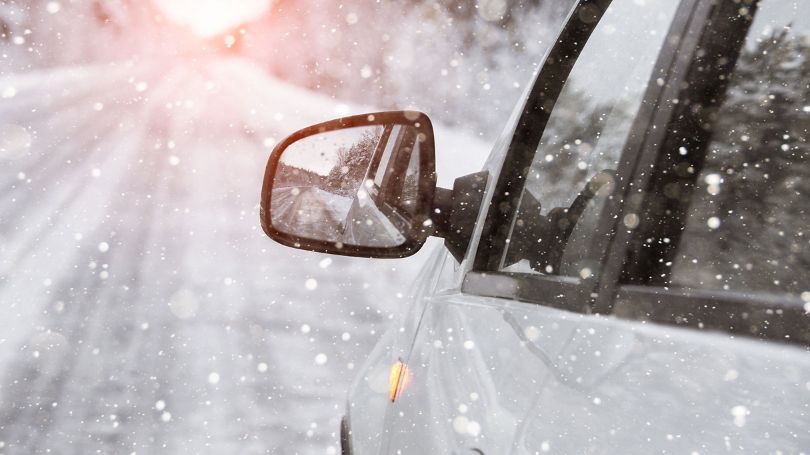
(629, 273)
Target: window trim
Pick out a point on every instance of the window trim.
(762, 316)
(562, 292)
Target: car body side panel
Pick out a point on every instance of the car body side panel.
(506, 377)
(368, 400)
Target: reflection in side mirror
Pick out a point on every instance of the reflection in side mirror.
(359, 186)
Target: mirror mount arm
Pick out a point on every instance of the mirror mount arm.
(441, 210)
(455, 212)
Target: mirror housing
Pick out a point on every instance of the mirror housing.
(456, 211)
(384, 186)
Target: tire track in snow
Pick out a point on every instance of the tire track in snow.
(39, 385)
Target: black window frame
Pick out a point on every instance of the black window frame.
(565, 292)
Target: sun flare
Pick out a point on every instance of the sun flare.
(208, 18)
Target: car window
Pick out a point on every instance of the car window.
(748, 225)
(573, 171)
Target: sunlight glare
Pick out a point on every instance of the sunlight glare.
(208, 18)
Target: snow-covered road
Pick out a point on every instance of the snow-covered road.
(142, 310)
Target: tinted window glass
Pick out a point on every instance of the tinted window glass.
(748, 225)
(574, 166)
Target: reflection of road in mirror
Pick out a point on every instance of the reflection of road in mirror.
(309, 212)
(313, 213)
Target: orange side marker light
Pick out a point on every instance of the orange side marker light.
(398, 380)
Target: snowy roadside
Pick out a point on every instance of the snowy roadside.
(144, 311)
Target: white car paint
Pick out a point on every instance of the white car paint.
(498, 376)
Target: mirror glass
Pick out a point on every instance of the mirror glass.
(354, 186)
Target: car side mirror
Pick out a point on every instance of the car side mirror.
(356, 186)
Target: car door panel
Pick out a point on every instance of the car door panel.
(509, 377)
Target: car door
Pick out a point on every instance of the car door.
(484, 364)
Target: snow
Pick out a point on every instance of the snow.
(137, 291)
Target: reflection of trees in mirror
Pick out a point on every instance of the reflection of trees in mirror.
(288, 175)
(748, 226)
(410, 193)
(352, 163)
